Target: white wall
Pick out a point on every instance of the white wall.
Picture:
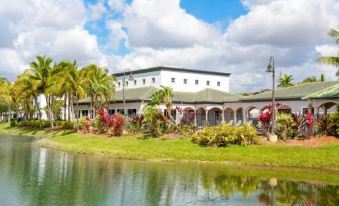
(164, 78)
(178, 85)
(139, 78)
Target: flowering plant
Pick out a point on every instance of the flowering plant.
(309, 122)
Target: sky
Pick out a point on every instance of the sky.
(233, 36)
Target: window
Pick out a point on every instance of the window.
(131, 111)
(119, 84)
(196, 81)
(185, 81)
(207, 83)
(121, 111)
(135, 82)
(173, 80)
(144, 81)
(153, 80)
(84, 113)
(218, 84)
(111, 111)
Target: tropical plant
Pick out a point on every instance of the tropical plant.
(331, 60)
(309, 120)
(117, 124)
(284, 126)
(135, 123)
(285, 80)
(298, 122)
(5, 96)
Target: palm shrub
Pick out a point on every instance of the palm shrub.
(334, 123)
(323, 124)
(298, 122)
(284, 126)
(135, 124)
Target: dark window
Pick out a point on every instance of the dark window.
(144, 81)
(131, 111)
(84, 113)
(173, 80)
(207, 83)
(196, 81)
(185, 81)
(218, 84)
(111, 111)
(119, 84)
(121, 111)
(135, 82)
(153, 80)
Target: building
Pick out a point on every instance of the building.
(203, 97)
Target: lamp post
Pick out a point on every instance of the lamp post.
(271, 68)
(130, 77)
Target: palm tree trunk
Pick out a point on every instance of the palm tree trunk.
(69, 107)
(77, 109)
(9, 113)
(65, 106)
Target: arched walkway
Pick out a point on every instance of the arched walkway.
(284, 109)
(327, 107)
(229, 115)
(201, 116)
(214, 116)
(252, 115)
(188, 116)
(239, 114)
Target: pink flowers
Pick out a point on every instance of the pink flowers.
(309, 119)
(265, 116)
(115, 121)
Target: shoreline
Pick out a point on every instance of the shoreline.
(324, 158)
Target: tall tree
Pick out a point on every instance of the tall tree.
(5, 96)
(285, 80)
(332, 60)
(42, 71)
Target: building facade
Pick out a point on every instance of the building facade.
(203, 97)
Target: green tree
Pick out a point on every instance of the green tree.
(285, 80)
(332, 60)
(310, 79)
(322, 78)
(5, 97)
(42, 71)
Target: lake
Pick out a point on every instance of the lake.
(31, 175)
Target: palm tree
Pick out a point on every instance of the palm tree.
(70, 82)
(98, 84)
(41, 71)
(285, 80)
(332, 60)
(164, 96)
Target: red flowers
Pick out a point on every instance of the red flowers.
(115, 121)
(309, 119)
(265, 116)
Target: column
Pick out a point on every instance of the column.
(316, 111)
(206, 117)
(234, 117)
(195, 117)
(223, 117)
(244, 115)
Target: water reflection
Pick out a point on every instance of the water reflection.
(30, 175)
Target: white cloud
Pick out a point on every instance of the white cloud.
(163, 24)
(116, 5)
(96, 11)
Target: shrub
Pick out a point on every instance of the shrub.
(298, 122)
(334, 123)
(246, 135)
(223, 135)
(38, 124)
(117, 124)
(135, 124)
(99, 125)
(67, 125)
(284, 126)
(323, 124)
(13, 123)
(309, 119)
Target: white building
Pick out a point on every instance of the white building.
(180, 79)
(203, 98)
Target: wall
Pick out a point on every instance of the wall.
(139, 78)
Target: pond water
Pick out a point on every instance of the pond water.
(31, 175)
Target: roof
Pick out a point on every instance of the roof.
(145, 93)
(327, 93)
(295, 92)
(176, 69)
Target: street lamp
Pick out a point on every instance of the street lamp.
(271, 68)
(131, 78)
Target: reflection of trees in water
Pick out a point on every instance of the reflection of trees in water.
(63, 179)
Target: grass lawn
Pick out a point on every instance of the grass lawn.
(324, 157)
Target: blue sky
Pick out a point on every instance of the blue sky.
(217, 12)
(234, 36)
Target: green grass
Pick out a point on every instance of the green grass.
(325, 157)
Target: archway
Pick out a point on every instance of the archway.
(214, 116)
(252, 115)
(188, 116)
(327, 107)
(284, 109)
(229, 115)
(239, 114)
(201, 116)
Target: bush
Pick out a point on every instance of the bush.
(13, 123)
(37, 124)
(117, 124)
(135, 124)
(246, 135)
(284, 126)
(99, 125)
(334, 123)
(223, 135)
